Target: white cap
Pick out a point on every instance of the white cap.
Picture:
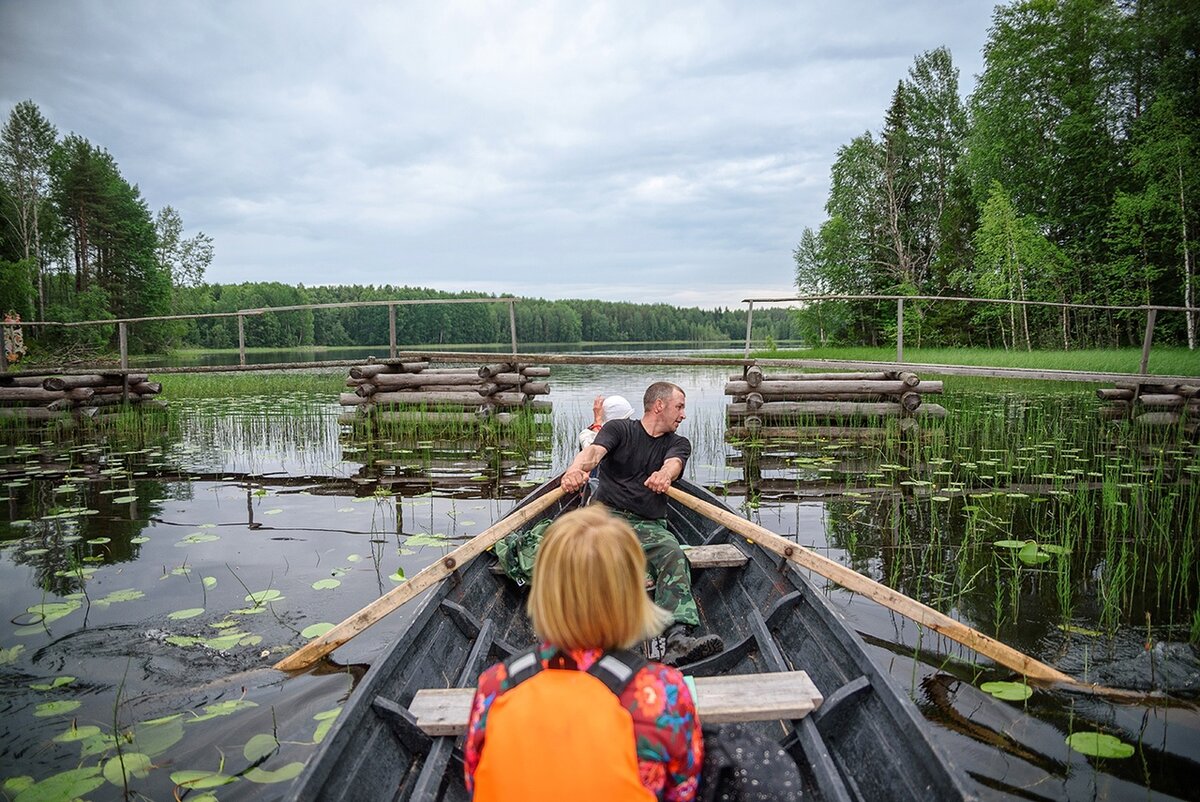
(616, 408)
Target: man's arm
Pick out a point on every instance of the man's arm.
(576, 476)
(660, 480)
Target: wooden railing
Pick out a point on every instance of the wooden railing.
(1151, 313)
(123, 323)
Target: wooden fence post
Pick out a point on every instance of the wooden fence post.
(123, 344)
(899, 330)
(512, 323)
(749, 318)
(241, 339)
(392, 330)
(1150, 315)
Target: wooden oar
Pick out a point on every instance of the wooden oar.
(894, 600)
(317, 648)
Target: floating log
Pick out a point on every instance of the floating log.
(488, 371)
(794, 409)
(1114, 394)
(770, 388)
(91, 380)
(371, 371)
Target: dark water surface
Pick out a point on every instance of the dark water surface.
(149, 581)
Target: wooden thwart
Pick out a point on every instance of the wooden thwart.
(719, 700)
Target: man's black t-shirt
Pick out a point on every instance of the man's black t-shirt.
(632, 456)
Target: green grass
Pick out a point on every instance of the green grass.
(328, 382)
(1163, 361)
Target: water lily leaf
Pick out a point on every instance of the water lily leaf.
(1099, 744)
(36, 552)
(183, 640)
(15, 785)
(56, 708)
(226, 641)
(49, 612)
(49, 686)
(180, 615)
(128, 594)
(1009, 691)
(398, 576)
(1009, 544)
(195, 778)
(250, 610)
(289, 772)
(70, 784)
(210, 582)
(100, 541)
(226, 708)
(77, 734)
(315, 630)
(275, 511)
(263, 596)
(1074, 630)
(260, 746)
(156, 736)
(325, 721)
(1053, 549)
(418, 541)
(119, 769)
(353, 558)
(124, 499)
(197, 537)
(326, 584)
(10, 654)
(139, 539)
(1030, 554)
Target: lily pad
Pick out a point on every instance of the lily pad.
(119, 769)
(259, 747)
(77, 734)
(1008, 691)
(197, 537)
(315, 630)
(70, 784)
(326, 584)
(226, 708)
(100, 541)
(156, 736)
(10, 654)
(56, 708)
(128, 594)
(139, 539)
(418, 541)
(210, 582)
(263, 596)
(1099, 744)
(191, 612)
(289, 772)
(1009, 544)
(325, 721)
(1031, 554)
(49, 686)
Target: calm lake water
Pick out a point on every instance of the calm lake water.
(149, 581)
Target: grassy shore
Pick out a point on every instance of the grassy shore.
(1164, 361)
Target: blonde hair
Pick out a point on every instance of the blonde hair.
(589, 588)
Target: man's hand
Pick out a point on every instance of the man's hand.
(661, 480)
(573, 479)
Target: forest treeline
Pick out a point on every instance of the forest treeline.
(1071, 174)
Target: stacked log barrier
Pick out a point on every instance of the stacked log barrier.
(48, 397)
(1150, 404)
(773, 402)
(415, 392)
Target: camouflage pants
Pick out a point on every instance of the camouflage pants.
(667, 566)
(665, 562)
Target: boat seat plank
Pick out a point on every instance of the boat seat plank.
(718, 555)
(720, 700)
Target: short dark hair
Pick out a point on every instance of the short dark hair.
(660, 391)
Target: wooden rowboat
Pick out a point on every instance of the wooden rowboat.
(865, 741)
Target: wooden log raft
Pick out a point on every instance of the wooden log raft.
(1151, 404)
(49, 397)
(418, 386)
(759, 398)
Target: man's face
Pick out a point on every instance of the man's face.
(672, 413)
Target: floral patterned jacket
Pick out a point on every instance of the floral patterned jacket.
(670, 746)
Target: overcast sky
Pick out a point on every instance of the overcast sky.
(621, 151)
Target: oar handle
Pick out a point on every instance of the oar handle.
(892, 599)
(427, 577)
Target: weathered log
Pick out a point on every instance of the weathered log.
(1115, 411)
(469, 385)
(774, 389)
(353, 382)
(488, 371)
(795, 434)
(535, 388)
(754, 400)
(877, 397)
(427, 398)
(426, 378)
(816, 377)
(32, 413)
(908, 377)
(512, 379)
(1114, 394)
(794, 409)
(20, 381)
(29, 395)
(371, 371)
(91, 380)
(61, 405)
(910, 401)
(146, 388)
(753, 376)
(1165, 400)
(366, 389)
(535, 372)
(350, 399)
(111, 400)
(80, 393)
(1188, 390)
(1158, 418)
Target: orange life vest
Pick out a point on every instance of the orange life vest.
(562, 733)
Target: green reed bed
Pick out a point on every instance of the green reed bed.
(1021, 507)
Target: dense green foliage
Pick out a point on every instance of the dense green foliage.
(1070, 175)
